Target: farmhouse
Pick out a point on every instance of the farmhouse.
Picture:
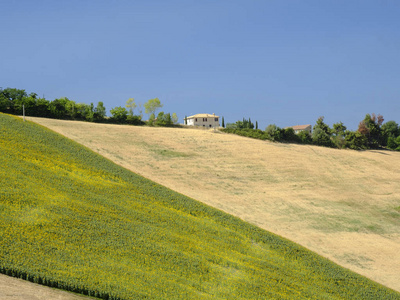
(204, 120)
(298, 128)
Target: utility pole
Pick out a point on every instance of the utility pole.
(23, 111)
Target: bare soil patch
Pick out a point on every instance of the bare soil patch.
(18, 289)
(342, 204)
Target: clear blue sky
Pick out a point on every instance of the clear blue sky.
(285, 62)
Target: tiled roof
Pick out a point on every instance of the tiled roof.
(203, 116)
(301, 127)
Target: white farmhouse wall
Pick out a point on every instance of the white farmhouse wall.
(203, 120)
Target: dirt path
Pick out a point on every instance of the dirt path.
(342, 204)
(18, 289)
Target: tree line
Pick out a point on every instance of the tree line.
(17, 101)
(372, 133)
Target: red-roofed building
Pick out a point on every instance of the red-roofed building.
(298, 128)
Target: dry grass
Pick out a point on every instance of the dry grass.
(18, 289)
(342, 204)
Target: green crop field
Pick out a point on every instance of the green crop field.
(74, 220)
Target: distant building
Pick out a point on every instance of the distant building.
(203, 120)
(298, 128)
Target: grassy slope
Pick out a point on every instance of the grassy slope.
(342, 204)
(74, 220)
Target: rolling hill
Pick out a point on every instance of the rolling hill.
(342, 204)
(74, 220)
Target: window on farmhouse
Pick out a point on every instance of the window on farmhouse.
(195, 119)
(216, 119)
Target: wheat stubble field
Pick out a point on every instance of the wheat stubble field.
(342, 204)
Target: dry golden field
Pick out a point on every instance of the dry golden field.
(342, 204)
(18, 289)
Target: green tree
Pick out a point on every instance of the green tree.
(305, 137)
(159, 121)
(223, 123)
(14, 94)
(70, 109)
(323, 126)
(11, 100)
(289, 135)
(273, 132)
(89, 116)
(339, 135)
(119, 114)
(370, 127)
(168, 119)
(394, 143)
(99, 112)
(58, 108)
(42, 107)
(152, 105)
(80, 111)
(131, 105)
(244, 124)
(163, 119)
(355, 140)
(339, 129)
(321, 135)
(250, 125)
(29, 104)
(151, 119)
(321, 138)
(390, 129)
(5, 104)
(174, 118)
(140, 110)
